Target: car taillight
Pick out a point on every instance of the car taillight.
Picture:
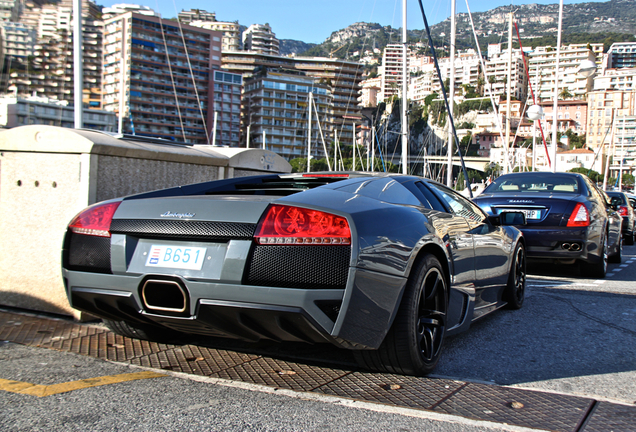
(580, 217)
(287, 225)
(622, 210)
(95, 220)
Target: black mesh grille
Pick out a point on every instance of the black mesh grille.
(178, 229)
(300, 266)
(89, 253)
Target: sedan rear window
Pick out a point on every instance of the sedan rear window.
(538, 183)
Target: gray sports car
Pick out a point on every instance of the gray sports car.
(385, 265)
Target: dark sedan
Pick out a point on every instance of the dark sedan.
(569, 218)
(385, 265)
(625, 208)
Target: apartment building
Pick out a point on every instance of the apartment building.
(496, 76)
(621, 55)
(392, 70)
(370, 89)
(10, 10)
(227, 108)
(204, 19)
(168, 87)
(120, 8)
(230, 30)
(19, 39)
(542, 67)
(467, 70)
(276, 112)
(260, 38)
(342, 76)
(605, 108)
(19, 111)
(49, 72)
(571, 114)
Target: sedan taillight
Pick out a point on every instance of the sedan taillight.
(580, 217)
(95, 220)
(288, 225)
(622, 210)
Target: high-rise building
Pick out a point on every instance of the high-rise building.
(621, 55)
(204, 19)
(497, 74)
(20, 111)
(276, 112)
(230, 30)
(166, 68)
(120, 8)
(260, 38)
(342, 77)
(392, 70)
(542, 68)
(19, 39)
(227, 108)
(49, 72)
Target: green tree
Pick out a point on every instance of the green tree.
(565, 94)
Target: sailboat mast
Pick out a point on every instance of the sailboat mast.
(451, 98)
(77, 64)
(555, 118)
(309, 133)
(405, 86)
(507, 145)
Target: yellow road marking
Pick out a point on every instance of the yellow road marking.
(48, 390)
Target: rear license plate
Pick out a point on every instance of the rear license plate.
(530, 214)
(188, 258)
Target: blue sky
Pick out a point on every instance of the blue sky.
(314, 21)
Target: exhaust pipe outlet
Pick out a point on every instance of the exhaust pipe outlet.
(164, 296)
(566, 246)
(575, 247)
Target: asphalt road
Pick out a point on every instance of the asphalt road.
(573, 335)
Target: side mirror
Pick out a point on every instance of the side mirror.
(508, 218)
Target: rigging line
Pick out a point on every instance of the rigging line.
(194, 84)
(450, 114)
(174, 88)
(324, 145)
(487, 84)
(534, 101)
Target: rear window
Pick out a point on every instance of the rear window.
(618, 198)
(535, 183)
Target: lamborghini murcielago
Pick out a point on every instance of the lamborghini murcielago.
(386, 265)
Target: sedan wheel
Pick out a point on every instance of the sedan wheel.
(597, 269)
(414, 342)
(516, 289)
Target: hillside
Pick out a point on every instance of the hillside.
(606, 22)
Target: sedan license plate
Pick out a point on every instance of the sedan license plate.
(181, 257)
(530, 214)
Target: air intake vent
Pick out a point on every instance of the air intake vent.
(308, 267)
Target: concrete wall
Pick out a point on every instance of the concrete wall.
(49, 174)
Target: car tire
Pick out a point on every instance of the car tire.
(597, 269)
(515, 291)
(414, 342)
(629, 238)
(141, 331)
(617, 256)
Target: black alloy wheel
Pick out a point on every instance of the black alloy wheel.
(515, 291)
(617, 256)
(597, 269)
(414, 343)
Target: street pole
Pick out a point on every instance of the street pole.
(555, 140)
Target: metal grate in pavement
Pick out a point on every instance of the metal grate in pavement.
(519, 407)
(611, 417)
(477, 401)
